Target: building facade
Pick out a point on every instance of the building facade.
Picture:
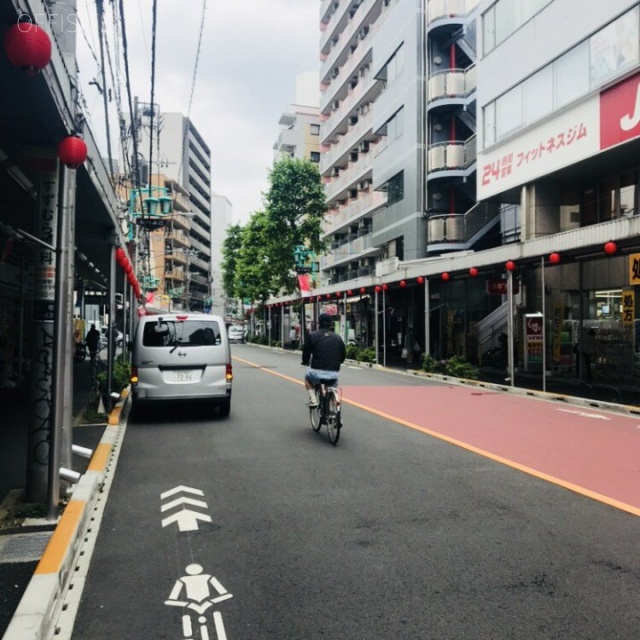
(559, 142)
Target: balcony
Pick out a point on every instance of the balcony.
(452, 84)
(365, 204)
(446, 228)
(453, 157)
(349, 140)
(449, 9)
(348, 251)
(349, 176)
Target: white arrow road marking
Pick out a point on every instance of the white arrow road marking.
(184, 500)
(584, 414)
(187, 520)
(181, 488)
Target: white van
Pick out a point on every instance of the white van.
(236, 333)
(182, 357)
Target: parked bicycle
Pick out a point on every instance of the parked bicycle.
(327, 410)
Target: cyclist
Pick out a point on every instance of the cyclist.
(93, 342)
(323, 353)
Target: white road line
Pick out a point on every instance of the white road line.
(584, 414)
(185, 500)
(181, 489)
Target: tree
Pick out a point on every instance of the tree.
(295, 208)
(253, 272)
(230, 249)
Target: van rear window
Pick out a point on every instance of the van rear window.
(188, 333)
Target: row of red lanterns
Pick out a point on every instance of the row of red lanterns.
(127, 267)
(29, 47)
(610, 248)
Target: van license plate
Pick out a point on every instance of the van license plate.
(182, 376)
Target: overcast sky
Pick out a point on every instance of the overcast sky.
(252, 52)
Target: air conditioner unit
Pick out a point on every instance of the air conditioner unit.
(335, 105)
(364, 185)
(353, 120)
(364, 147)
(335, 6)
(362, 34)
(335, 71)
(336, 171)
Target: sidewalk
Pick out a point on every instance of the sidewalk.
(21, 547)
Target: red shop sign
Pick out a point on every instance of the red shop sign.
(498, 287)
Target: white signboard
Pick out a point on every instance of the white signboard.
(556, 143)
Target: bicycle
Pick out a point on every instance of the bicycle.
(327, 410)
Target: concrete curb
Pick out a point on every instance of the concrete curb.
(40, 606)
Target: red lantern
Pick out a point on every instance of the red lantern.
(554, 258)
(72, 151)
(120, 254)
(378, 288)
(385, 286)
(349, 292)
(362, 290)
(510, 266)
(328, 296)
(445, 276)
(420, 280)
(338, 295)
(610, 248)
(473, 272)
(403, 283)
(28, 47)
(310, 298)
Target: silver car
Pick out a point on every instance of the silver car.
(182, 357)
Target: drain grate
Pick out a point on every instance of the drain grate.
(24, 547)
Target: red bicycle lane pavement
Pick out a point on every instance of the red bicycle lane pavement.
(593, 452)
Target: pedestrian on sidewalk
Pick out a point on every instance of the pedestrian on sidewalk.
(410, 347)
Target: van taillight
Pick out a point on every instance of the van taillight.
(229, 374)
(134, 375)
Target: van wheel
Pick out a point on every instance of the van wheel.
(224, 408)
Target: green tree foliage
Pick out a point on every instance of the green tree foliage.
(258, 258)
(295, 207)
(230, 248)
(254, 271)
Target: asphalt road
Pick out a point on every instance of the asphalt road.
(439, 515)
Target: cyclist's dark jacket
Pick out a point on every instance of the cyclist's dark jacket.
(325, 350)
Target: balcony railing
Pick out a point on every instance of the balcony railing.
(365, 203)
(437, 9)
(452, 83)
(346, 251)
(452, 155)
(461, 227)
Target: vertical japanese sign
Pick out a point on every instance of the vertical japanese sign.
(43, 331)
(628, 307)
(534, 339)
(634, 269)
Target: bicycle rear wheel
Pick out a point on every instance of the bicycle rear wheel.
(314, 416)
(333, 416)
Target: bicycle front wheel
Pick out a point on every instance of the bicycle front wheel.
(333, 416)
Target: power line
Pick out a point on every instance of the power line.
(105, 96)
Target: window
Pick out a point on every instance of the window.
(538, 95)
(395, 188)
(608, 54)
(571, 75)
(614, 48)
(395, 126)
(505, 17)
(314, 156)
(509, 113)
(314, 129)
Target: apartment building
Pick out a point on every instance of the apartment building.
(185, 157)
(299, 134)
(222, 214)
(559, 142)
(398, 145)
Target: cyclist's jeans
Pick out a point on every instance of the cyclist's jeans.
(315, 376)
